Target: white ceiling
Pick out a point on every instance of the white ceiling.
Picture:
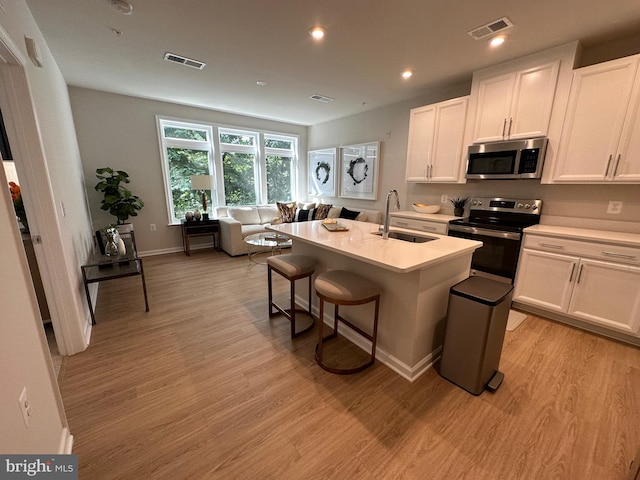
(368, 44)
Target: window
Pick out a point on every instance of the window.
(187, 150)
(252, 167)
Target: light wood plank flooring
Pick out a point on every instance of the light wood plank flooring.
(205, 386)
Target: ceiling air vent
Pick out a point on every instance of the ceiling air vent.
(189, 62)
(321, 98)
(491, 28)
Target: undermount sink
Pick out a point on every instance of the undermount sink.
(407, 237)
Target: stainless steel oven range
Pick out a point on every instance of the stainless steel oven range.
(498, 224)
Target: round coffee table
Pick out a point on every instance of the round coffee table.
(273, 240)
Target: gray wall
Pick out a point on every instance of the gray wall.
(120, 132)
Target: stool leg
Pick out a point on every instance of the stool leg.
(375, 330)
(270, 290)
(320, 331)
(336, 315)
(293, 307)
(310, 298)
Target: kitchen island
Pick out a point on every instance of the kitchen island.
(415, 278)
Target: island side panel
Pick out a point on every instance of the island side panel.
(412, 307)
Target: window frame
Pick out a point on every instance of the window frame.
(215, 151)
(200, 145)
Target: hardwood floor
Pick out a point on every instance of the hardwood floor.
(205, 386)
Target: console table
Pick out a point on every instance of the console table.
(102, 267)
(199, 229)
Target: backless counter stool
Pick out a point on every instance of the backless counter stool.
(292, 267)
(346, 288)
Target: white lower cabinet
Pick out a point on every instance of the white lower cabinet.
(603, 293)
(420, 225)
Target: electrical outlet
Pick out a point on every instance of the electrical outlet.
(25, 406)
(444, 198)
(615, 208)
(152, 227)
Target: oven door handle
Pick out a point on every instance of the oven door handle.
(485, 232)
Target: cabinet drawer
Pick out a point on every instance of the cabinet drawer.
(601, 251)
(420, 225)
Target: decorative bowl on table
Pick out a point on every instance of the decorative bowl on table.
(424, 208)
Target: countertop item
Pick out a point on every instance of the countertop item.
(424, 208)
(622, 238)
(360, 242)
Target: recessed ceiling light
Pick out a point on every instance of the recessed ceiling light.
(317, 33)
(497, 41)
(261, 83)
(408, 73)
(122, 6)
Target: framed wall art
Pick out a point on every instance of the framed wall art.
(359, 171)
(322, 172)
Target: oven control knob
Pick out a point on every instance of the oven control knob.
(527, 206)
(520, 205)
(534, 207)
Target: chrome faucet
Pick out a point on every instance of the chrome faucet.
(385, 230)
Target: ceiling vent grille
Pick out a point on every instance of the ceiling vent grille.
(189, 62)
(491, 28)
(321, 98)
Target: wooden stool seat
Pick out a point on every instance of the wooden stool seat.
(341, 287)
(292, 267)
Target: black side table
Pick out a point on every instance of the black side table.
(102, 267)
(199, 229)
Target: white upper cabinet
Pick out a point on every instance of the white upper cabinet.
(516, 104)
(435, 150)
(600, 139)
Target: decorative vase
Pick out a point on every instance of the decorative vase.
(111, 246)
(188, 216)
(197, 215)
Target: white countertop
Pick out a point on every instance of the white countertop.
(360, 243)
(622, 238)
(431, 217)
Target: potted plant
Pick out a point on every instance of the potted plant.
(118, 200)
(458, 205)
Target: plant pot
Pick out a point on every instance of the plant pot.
(125, 228)
(458, 212)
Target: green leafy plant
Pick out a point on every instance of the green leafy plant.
(459, 202)
(118, 200)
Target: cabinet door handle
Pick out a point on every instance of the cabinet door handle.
(401, 224)
(619, 255)
(504, 127)
(510, 122)
(615, 169)
(579, 274)
(606, 174)
(573, 268)
(428, 227)
(551, 245)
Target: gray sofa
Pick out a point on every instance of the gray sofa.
(236, 223)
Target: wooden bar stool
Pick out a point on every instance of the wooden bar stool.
(341, 287)
(292, 267)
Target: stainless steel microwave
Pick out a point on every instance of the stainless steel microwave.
(507, 160)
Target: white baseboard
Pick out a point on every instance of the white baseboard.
(66, 442)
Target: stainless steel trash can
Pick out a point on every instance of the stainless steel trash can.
(474, 332)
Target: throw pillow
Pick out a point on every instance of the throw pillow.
(287, 211)
(322, 211)
(349, 214)
(303, 215)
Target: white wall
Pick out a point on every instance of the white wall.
(40, 127)
(120, 132)
(570, 205)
